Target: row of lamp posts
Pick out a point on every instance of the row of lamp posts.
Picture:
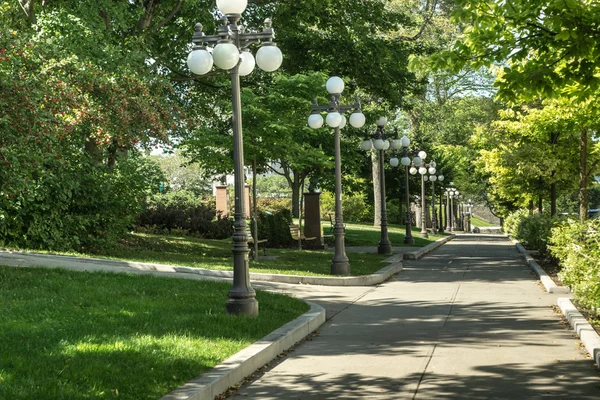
(231, 52)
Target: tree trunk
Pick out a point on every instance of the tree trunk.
(583, 200)
(295, 183)
(27, 7)
(376, 188)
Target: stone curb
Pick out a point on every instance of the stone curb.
(585, 331)
(415, 255)
(25, 258)
(547, 282)
(242, 364)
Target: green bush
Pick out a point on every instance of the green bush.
(183, 211)
(577, 246)
(273, 204)
(354, 207)
(513, 221)
(275, 227)
(77, 206)
(533, 230)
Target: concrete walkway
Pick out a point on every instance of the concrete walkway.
(466, 321)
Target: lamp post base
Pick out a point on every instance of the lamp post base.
(384, 248)
(424, 234)
(340, 266)
(409, 240)
(242, 306)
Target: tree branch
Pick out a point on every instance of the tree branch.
(169, 17)
(27, 6)
(424, 24)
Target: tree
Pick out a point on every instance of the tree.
(543, 48)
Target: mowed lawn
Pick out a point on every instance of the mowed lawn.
(81, 335)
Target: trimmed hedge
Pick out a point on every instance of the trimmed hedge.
(275, 227)
(184, 212)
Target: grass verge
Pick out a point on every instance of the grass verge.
(478, 222)
(369, 235)
(80, 335)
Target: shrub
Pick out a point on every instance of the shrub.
(273, 204)
(275, 227)
(77, 206)
(577, 246)
(513, 221)
(533, 230)
(183, 211)
(354, 207)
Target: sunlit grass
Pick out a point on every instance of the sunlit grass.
(217, 254)
(480, 223)
(79, 335)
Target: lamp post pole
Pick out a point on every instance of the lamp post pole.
(381, 144)
(335, 86)
(385, 247)
(404, 142)
(230, 54)
(448, 215)
(433, 178)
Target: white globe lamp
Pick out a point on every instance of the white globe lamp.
(335, 85)
(315, 121)
(228, 7)
(269, 57)
(200, 61)
(334, 119)
(357, 119)
(226, 55)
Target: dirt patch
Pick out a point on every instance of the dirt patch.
(550, 265)
(592, 317)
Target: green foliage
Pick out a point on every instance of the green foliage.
(545, 47)
(275, 227)
(272, 186)
(354, 207)
(531, 229)
(184, 211)
(273, 204)
(76, 206)
(577, 246)
(513, 221)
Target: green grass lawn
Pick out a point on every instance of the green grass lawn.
(217, 255)
(80, 335)
(479, 222)
(365, 234)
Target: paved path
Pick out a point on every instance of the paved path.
(466, 321)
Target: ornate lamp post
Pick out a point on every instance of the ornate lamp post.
(231, 53)
(335, 119)
(380, 143)
(448, 210)
(469, 213)
(433, 178)
(454, 226)
(405, 142)
(423, 169)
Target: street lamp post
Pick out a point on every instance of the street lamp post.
(231, 53)
(405, 142)
(423, 169)
(433, 178)
(335, 119)
(469, 213)
(379, 142)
